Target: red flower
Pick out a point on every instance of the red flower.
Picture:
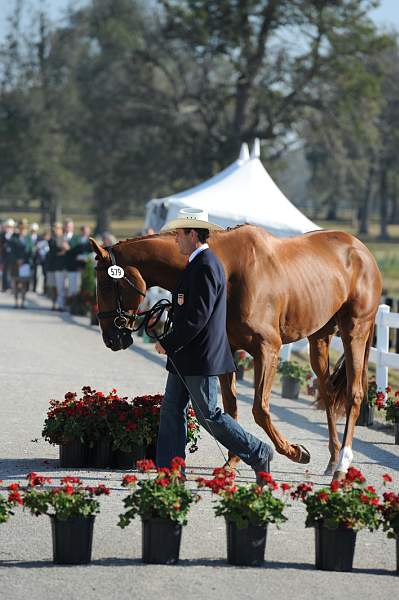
(128, 479)
(69, 489)
(178, 463)
(323, 496)
(13, 487)
(66, 480)
(285, 487)
(15, 497)
(302, 491)
(145, 465)
(335, 485)
(387, 477)
(388, 389)
(35, 479)
(355, 475)
(101, 489)
(162, 481)
(100, 394)
(267, 478)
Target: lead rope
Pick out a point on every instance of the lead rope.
(153, 315)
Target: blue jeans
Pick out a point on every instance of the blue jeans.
(203, 393)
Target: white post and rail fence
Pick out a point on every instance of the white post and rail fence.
(379, 355)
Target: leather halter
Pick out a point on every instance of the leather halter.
(122, 318)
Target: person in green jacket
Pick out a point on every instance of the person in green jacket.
(21, 262)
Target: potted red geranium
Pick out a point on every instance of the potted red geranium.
(163, 503)
(247, 509)
(390, 403)
(244, 362)
(293, 375)
(390, 515)
(99, 430)
(366, 415)
(337, 512)
(133, 426)
(7, 504)
(72, 508)
(80, 427)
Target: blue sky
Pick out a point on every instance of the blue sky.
(387, 15)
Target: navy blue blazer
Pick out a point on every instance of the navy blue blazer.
(198, 342)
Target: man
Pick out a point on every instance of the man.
(35, 239)
(5, 252)
(71, 264)
(199, 349)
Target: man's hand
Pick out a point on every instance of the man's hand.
(160, 349)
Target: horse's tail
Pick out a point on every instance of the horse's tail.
(338, 380)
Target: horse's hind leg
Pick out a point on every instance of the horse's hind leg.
(356, 335)
(319, 359)
(229, 396)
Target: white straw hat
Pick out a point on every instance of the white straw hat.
(9, 223)
(191, 218)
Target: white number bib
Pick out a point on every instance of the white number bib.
(116, 272)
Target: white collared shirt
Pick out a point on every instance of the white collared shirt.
(197, 251)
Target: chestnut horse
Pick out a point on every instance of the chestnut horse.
(278, 291)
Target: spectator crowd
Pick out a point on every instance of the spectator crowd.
(52, 260)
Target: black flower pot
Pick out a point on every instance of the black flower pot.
(290, 388)
(335, 548)
(151, 452)
(366, 415)
(127, 460)
(73, 454)
(396, 429)
(240, 373)
(72, 540)
(160, 541)
(246, 547)
(100, 454)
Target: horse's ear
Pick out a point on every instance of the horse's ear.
(99, 250)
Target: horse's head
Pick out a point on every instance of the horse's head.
(118, 298)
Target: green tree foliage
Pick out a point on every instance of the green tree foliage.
(128, 99)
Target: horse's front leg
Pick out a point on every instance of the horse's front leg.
(265, 362)
(229, 396)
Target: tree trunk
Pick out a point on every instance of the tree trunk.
(384, 235)
(332, 211)
(364, 212)
(103, 222)
(56, 211)
(394, 216)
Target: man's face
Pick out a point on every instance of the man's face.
(69, 227)
(187, 243)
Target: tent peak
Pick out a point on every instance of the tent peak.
(244, 153)
(255, 153)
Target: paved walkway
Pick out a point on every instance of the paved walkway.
(45, 354)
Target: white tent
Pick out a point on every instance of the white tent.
(241, 193)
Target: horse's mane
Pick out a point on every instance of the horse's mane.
(140, 238)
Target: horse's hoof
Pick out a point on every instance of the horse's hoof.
(339, 475)
(330, 468)
(232, 462)
(230, 467)
(303, 455)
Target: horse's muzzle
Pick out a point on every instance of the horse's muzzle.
(118, 339)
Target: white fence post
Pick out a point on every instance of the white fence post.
(382, 331)
(285, 352)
